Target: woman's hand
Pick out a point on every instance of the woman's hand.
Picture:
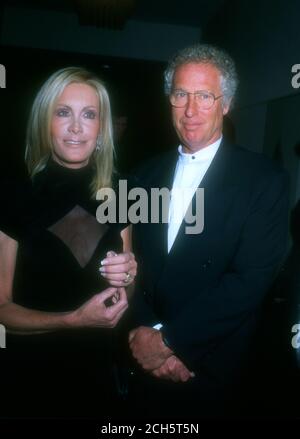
(119, 269)
(97, 313)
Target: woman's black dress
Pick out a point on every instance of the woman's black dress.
(66, 373)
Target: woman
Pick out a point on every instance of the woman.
(55, 303)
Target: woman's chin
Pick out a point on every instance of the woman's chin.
(72, 161)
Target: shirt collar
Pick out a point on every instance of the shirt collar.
(202, 155)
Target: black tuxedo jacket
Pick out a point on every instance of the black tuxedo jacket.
(208, 290)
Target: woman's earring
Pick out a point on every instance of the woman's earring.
(98, 143)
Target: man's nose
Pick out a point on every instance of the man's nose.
(75, 126)
(191, 105)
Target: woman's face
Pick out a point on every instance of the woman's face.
(75, 125)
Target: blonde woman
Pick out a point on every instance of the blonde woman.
(58, 308)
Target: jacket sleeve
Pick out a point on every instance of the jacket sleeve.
(140, 312)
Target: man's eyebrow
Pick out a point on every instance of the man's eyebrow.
(196, 91)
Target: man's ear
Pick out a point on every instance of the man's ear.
(226, 108)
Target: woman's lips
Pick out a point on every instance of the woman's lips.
(74, 142)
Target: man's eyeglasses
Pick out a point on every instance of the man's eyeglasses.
(204, 99)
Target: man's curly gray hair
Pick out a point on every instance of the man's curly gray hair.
(205, 53)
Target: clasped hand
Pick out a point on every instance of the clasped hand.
(154, 356)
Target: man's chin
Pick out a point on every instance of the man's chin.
(191, 147)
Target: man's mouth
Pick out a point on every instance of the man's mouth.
(191, 126)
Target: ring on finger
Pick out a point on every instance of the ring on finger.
(128, 278)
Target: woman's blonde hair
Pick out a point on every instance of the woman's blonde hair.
(39, 142)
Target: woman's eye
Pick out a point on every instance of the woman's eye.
(90, 115)
(62, 113)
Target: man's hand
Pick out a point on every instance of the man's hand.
(173, 369)
(148, 348)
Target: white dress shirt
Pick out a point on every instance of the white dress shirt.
(189, 172)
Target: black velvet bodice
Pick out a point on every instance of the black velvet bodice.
(61, 243)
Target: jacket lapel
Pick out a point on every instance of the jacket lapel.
(218, 185)
(163, 179)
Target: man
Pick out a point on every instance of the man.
(198, 298)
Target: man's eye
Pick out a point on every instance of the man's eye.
(204, 96)
(180, 94)
(90, 115)
(62, 113)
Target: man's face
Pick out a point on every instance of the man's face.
(195, 127)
